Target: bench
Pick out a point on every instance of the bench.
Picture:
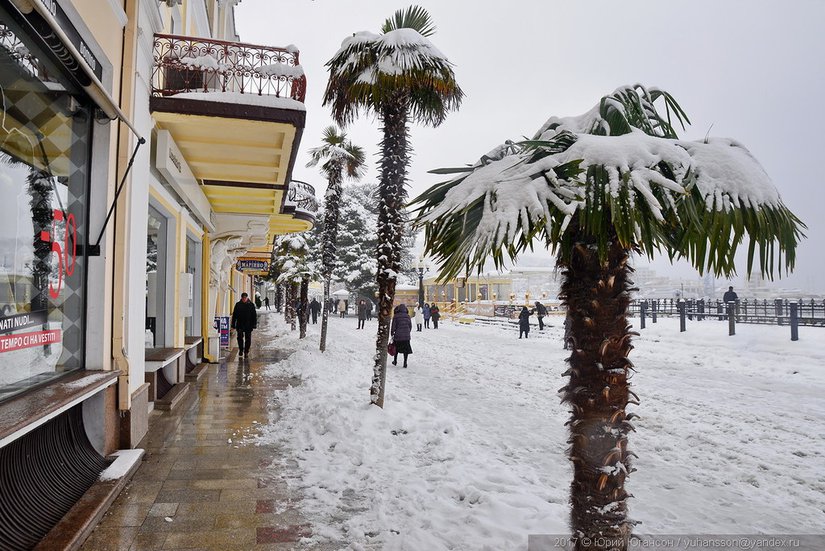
(165, 373)
(195, 368)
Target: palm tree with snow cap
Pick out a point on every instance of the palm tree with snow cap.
(339, 156)
(400, 76)
(596, 189)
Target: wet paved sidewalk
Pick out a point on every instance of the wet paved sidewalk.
(195, 488)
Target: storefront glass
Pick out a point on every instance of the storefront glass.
(45, 131)
(155, 278)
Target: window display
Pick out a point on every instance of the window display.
(45, 128)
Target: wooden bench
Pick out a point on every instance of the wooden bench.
(195, 368)
(165, 373)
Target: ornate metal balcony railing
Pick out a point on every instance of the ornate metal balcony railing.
(301, 196)
(188, 64)
(20, 54)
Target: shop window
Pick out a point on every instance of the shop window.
(156, 260)
(45, 131)
(191, 287)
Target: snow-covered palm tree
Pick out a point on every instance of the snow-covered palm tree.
(295, 271)
(400, 76)
(596, 189)
(339, 157)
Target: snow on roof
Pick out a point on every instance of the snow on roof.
(244, 99)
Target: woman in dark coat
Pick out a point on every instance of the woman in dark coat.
(435, 313)
(401, 330)
(427, 314)
(524, 322)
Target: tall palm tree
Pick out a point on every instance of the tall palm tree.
(401, 77)
(596, 189)
(339, 156)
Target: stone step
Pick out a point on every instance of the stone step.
(172, 398)
(197, 373)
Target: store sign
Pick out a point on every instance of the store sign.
(170, 161)
(246, 265)
(29, 340)
(222, 326)
(56, 45)
(22, 321)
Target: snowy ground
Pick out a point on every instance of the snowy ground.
(469, 452)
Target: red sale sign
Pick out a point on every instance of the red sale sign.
(29, 340)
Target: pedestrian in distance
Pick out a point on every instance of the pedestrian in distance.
(362, 313)
(568, 330)
(401, 331)
(427, 315)
(419, 317)
(244, 321)
(342, 309)
(314, 309)
(541, 311)
(369, 310)
(729, 296)
(524, 322)
(266, 302)
(435, 314)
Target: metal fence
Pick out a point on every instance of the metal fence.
(772, 312)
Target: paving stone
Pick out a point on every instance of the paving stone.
(195, 489)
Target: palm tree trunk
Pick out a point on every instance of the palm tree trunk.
(332, 211)
(597, 295)
(394, 161)
(324, 315)
(302, 318)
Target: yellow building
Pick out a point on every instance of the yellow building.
(143, 181)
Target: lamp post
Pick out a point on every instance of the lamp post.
(422, 267)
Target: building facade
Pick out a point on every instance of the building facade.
(146, 158)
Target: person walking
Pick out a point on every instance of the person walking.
(244, 321)
(524, 322)
(369, 310)
(419, 317)
(266, 302)
(314, 309)
(427, 314)
(541, 311)
(342, 309)
(362, 313)
(401, 331)
(435, 314)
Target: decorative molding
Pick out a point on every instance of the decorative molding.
(152, 12)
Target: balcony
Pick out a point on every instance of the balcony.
(236, 113)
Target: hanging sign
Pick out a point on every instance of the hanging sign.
(251, 265)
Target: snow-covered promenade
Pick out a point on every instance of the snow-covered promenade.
(469, 452)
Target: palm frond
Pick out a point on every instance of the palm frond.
(414, 17)
(617, 172)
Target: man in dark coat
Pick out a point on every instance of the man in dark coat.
(315, 309)
(524, 322)
(730, 295)
(541, 311)
(244, 320)
(401, 331)
(362, 313)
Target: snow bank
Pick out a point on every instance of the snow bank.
(469, 452)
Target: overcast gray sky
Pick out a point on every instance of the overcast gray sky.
(754, 70)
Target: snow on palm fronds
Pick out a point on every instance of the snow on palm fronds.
(339, 155)
(292, 259)
(369, 68)
(620, 166)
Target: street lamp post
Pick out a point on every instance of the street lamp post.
(422, 267)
